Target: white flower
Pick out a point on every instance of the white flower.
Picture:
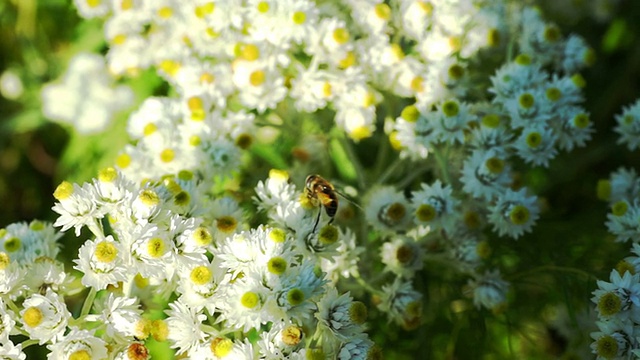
(102, 263)
(387, 209)
(77, 207)
(357, 348)
(78, 343)
(10, 351)
(85, 98)
(121, 316)
(402, 303)
(514, 213)
(402, 256)
(628, 126)
(184, 324)
(340, 315)
(536, 145)
(485, 174)
(434, 205)
(45, 317)
(489, 290)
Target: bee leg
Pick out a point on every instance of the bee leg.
(317, 221)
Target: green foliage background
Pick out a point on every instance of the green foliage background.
(552, 269)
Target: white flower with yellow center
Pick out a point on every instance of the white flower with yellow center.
(45, 317)
(101, 262)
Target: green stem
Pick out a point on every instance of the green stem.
(390, 170)
(25, 344)
(348, 148)
(543, 268)
(441, 160)
(88, 303)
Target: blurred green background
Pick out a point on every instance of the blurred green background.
(552, 270)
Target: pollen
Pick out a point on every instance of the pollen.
(533, 139)
(396, 144)
(205, 9)
(80, 355)
(359, 133)
(195, 140)
(221, 347)
(491, 121)
(172, 186)
(200, 275)
(263, 7)
(249, 52)
(607, 347)
(257, 78)
(212, 33)
(299, 17)
(149, 129)
(624, 266)
(159, 330)
(295, 296)
(405, 254)
(94, 3)
(553, 94)
(292, 335)
(426, 7)
(397, 51)
(519, 215)
(244, 141)
(182, 198)
(149, 197)
(156, 247)
(169, 66)
(494, 165)
(207, 78)
(456, 72)
(551, 33)
(141, 282)
(277, 235)
(451, 108)
(526, 101)
(5, 260)
(107, 175)
(32, 317)
(341, 35)
(493, 37)
(13, 244)
(137, 351)
(123, 161)
(348, 61)
(395, 212)
(358, 312)
(195, 104)
(472, 219)
(277, 265)
(581, 121)
(326, 89)
(609, 304)
(119, 39)
(250, 300)
(410, 113)
(328, 235)
(426, 212)
(167, 155)
(202, 236)
(417, 84)
(603, 189)
(383, 11)
(105, 252)
(126, 4)
(165, 12)
(620, 208)
(523, 59)
(63, 191)
(226, 224)
(578, 80)
(483, 249)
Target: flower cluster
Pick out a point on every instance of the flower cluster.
(618, 300)
(164, 230)
(225, 278)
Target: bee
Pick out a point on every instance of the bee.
(321, 192)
